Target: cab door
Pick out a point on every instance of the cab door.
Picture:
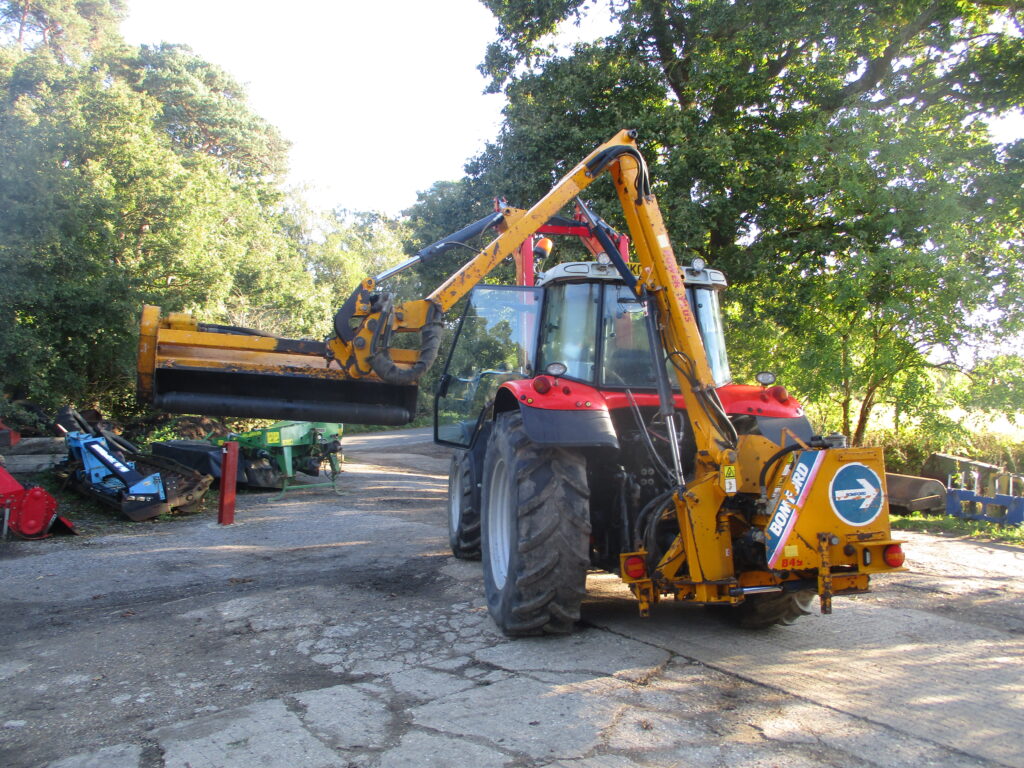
(495, 342)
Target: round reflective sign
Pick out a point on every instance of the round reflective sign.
(856, 494)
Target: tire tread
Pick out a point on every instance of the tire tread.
(553, 535)
(465, 537)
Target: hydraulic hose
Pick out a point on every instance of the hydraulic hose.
(603, 159)
(217, 328)
(655, 505)
(664, 471)
(763, 476)
(431, 335)
(708, 401)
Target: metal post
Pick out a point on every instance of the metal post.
(228, 481)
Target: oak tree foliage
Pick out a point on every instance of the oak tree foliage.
(832, 157)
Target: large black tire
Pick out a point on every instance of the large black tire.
(536, 532)
(463, 508)
(767, 610)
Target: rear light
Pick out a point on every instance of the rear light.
(542, 385)
(780, 393)
(893, 556)
(635, 567)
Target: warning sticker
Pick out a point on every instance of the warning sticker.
(729, 478)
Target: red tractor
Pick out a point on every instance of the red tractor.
(592, 426)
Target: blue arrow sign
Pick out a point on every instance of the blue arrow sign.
(856, 494)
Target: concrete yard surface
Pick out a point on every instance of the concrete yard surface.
(328, 630)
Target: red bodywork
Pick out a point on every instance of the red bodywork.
(554, 394)
(524, 258)
(30, 513)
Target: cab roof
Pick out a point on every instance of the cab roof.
(696, 275)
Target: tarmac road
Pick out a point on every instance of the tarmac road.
(327, 630)
(368, 442)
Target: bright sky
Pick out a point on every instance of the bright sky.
(379, 99)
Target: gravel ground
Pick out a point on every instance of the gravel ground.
(326, 630)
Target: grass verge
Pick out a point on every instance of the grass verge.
(975, 529)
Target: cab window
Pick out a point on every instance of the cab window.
(570, 328)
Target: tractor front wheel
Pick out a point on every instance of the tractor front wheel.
(536, 532)
(463, 508)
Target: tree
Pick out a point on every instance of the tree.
(204, 111)
(997, 386)
(62, 26)
(833, 159)
(108, 202)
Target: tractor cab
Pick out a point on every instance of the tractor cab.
(579, 322)
(594, 325)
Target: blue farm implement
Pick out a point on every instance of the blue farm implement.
(978, 491)
(109, 469)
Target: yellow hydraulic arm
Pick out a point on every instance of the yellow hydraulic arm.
(356, 376)
(660, 277)
(373, 380)
(358, 366)
(708, 577)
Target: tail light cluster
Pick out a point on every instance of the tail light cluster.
(542, 385)
(893, 556)
(634, 567)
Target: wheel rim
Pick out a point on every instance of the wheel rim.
(499, 514)
(455, 497)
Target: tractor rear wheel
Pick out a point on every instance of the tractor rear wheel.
(463, 508)
(767, 610)
(536, 532)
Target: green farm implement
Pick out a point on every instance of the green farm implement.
(270, 457)
(275, 454)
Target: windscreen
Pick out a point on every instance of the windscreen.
(626, 360)
(598, 330)
(704, 302)
(570, 328)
